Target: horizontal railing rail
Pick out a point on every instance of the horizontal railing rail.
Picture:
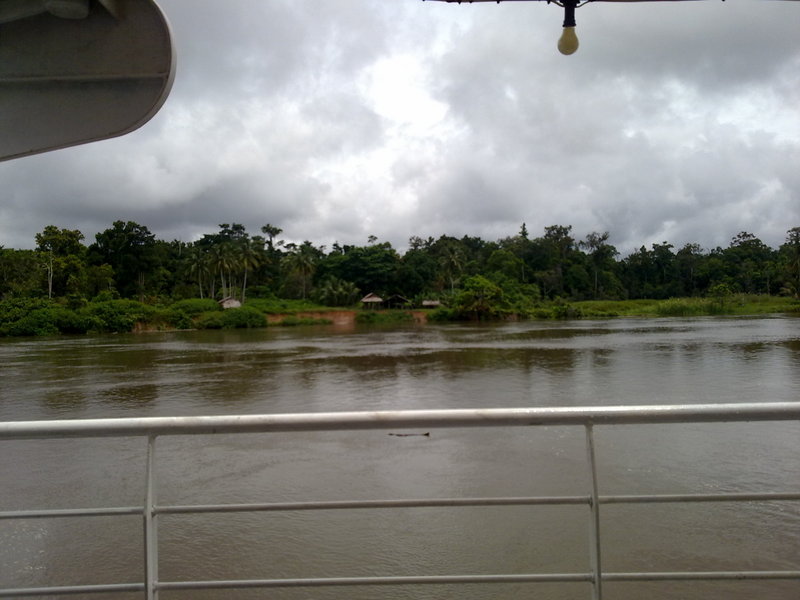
(587, 417)
(403, 419)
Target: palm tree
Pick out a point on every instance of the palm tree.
(249, 258)
(337, 292)
(223, 260)
(452, 263)
(198, 265)
(301, 261)
(600, 253)
(270, 231)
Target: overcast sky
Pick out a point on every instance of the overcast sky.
(341, 119)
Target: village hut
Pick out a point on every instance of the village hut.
(230, 302)
(372, 301)
(397, 301)
(431, 304)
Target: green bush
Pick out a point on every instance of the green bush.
(117, 316)
(76, 301)
(169, 318)
(70, 321)
(179, 319)
(105, 296)
(480, 300)
(244, 317)
(195, 306)
(14, 310)
(40, 317)
(36, 322)
(209, 320)
(564, 310)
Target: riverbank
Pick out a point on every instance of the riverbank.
(735, 305)
(42, 317)
(730, 305)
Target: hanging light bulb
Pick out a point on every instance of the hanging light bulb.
(568, 42)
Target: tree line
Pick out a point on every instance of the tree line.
(128, 261)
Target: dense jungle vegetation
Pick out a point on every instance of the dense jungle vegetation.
(128, 277)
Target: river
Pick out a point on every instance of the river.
(328, 368)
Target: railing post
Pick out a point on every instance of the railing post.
(594, 525)
(150, 524)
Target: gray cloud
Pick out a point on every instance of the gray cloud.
(340, 119)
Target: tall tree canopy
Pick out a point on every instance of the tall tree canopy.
(129, 248)
(128, 260)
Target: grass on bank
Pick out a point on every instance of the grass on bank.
(41, 317)
(734, 305)
(278, 306)
(383, 317)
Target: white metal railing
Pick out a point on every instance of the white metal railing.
(587, 417)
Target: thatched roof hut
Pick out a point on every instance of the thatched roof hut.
(397, 301)
(372, 301)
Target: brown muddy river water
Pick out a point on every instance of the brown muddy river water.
(325, 369)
